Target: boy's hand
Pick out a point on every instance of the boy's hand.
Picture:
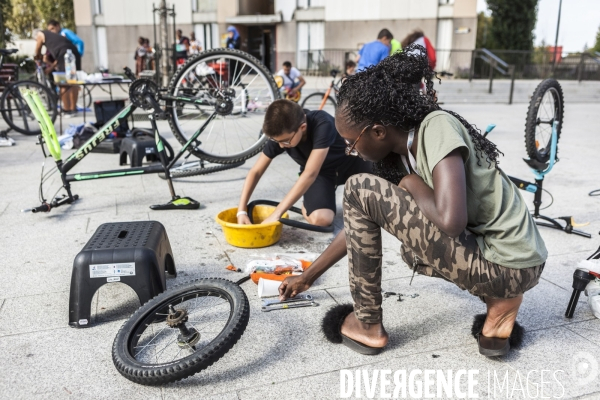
(271, 218)
(292, 286)
(243, 220)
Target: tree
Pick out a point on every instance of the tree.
(512, 23)
(5, 15)
(60, 10)
(597, 45)
(484, 38)
(24, 18)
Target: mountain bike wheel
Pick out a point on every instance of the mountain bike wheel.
(195, 168)
(313, 102)
(237, 89)
(167, 339)
(546, 107)
(17, 113)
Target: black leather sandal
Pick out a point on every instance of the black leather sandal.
(332, 328)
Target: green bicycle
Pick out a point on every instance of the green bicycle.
(215, 106)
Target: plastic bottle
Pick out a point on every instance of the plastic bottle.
(70, 66)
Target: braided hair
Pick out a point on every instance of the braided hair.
(389, 93)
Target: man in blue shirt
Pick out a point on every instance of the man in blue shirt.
(372, 53)
(54, 26)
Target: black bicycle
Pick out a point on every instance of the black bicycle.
(208, 106)
(13, 106)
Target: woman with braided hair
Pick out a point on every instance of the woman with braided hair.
(438, 189)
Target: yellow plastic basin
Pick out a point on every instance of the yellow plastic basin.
(250, 236)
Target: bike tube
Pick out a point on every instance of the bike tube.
(86, 176)
(296, 224)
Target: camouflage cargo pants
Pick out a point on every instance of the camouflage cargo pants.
(371, 203)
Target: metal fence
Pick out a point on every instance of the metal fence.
(537, 64)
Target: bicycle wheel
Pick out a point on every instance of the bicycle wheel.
(546, 107)
(197, 168)
(313, 102)
(234, 88)
(17, 113)
(181, 331)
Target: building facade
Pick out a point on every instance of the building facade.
(304, 32)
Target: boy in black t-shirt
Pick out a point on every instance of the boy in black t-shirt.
(310, 138)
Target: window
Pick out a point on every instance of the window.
(207, 35)
(204, 5)
(98, 7)
(311, 42)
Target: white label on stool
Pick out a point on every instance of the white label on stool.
(113, 279)
(83, 322)
(108, 270)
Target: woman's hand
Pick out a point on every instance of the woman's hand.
(243, 219)
(272, 218)
(292, 286)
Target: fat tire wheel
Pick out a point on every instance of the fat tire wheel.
(553, 88)
(154, 375)
(320, 95)
(183, 70)
(200, 171)
(53, 112)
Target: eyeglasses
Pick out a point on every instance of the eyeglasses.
(289, 141)
(350, 151)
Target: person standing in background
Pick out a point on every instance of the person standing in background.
(396, 47)
(139, 56)
(418, 37)
(54, 26)
(195, 45)
(373, 52)
(58, 46)
(182, 47)
(233, 39)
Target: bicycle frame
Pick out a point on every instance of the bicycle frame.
(65, 166)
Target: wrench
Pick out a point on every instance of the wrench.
(300, 297)
(285, 306)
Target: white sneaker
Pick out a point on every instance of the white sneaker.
(6, 141)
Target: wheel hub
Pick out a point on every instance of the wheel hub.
(224, 105)
(188, 337)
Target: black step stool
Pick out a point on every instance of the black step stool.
(134, 253)
(141, 144)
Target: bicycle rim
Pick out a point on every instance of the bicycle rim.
(17, 113)
(548, 112)
(235, 87)
(314, 101)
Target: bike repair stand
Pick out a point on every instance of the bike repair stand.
(539, 171)
(176, 203)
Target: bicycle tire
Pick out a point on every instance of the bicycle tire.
(189, 67)
(200, 170)
(316, 99)
(150, 313)
(547, 99)
(11, 92)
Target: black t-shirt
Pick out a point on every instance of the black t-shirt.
(320, 134)
(57, 46)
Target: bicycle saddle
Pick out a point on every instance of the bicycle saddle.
(6, 52)
(334, 72)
